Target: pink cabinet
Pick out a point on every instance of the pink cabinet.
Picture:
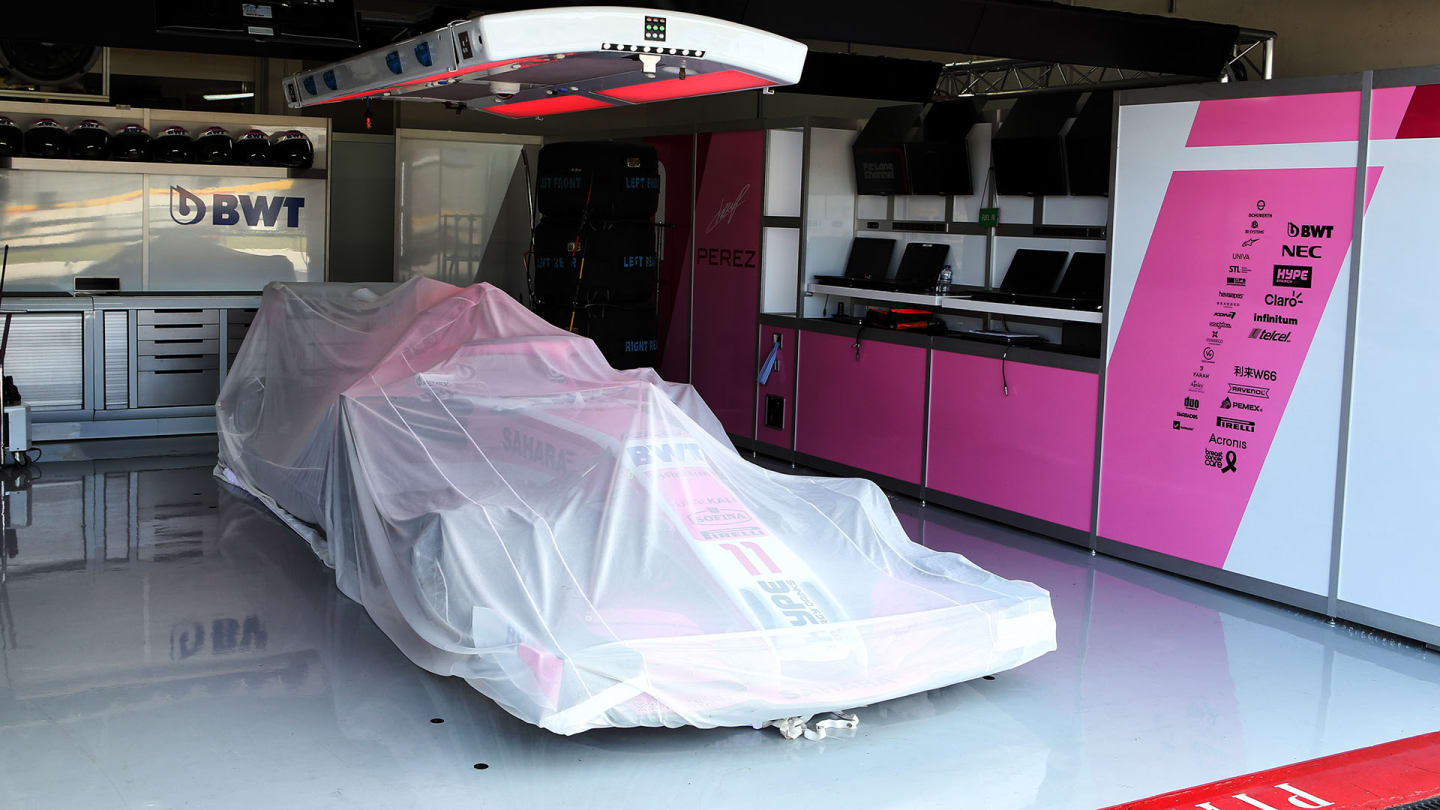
(776, 406)
(1031, 452)
(866, 412)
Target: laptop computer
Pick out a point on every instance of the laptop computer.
(919, 268)
(1034, 272)
(1084, 281)
(1030, 279)
(1082, 287)
(869, 261)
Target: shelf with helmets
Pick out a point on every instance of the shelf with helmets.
(126, 140)
(148, 167)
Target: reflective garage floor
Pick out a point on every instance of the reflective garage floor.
(168, 644)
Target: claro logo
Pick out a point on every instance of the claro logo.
(187, 208)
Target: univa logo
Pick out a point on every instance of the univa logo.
(187, 208)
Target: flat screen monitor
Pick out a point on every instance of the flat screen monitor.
(1028, 152)
(1088, 145)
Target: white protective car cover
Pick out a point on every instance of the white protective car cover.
(584, 545)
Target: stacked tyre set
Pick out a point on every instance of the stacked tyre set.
(90, 140)
(595, 267)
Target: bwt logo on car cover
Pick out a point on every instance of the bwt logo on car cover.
(643, 455)
(187, 208)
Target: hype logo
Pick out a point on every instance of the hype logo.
(188, 208)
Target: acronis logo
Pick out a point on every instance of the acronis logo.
(187, 208)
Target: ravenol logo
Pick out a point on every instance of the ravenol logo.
(186, 208)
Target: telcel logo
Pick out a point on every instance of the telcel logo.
(187, 208)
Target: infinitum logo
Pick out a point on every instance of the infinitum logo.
(1265, 317)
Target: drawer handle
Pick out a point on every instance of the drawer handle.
(182, 356)
(180, 371)
(179, 325)
(180, 340)
(177, 311)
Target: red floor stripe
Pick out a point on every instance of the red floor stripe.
(1376, 778)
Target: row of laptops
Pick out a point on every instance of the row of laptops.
(1035, 277)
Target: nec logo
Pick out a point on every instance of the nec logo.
(1301, 251)
(1309, 231)
(186, 208)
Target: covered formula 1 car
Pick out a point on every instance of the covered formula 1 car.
(584, 545)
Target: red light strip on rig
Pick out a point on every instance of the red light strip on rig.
(548, 106)
(700, 84)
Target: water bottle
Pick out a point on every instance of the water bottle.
(942, 287)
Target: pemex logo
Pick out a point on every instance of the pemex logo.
(188, 208)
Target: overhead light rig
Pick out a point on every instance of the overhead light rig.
(547, 61)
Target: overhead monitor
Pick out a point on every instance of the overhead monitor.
(1028, 150)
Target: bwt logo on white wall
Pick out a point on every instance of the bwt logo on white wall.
(187, 208)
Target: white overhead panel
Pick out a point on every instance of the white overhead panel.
(558, 60)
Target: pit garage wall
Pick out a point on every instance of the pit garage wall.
(1263, 422)
(1388, 554)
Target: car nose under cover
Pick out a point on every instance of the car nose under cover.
(584, 545)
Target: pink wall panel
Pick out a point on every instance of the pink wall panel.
(730, 168)
(781, 383)
(1031, 452)
(1310, 118)
(867, 413)
(1162, 454)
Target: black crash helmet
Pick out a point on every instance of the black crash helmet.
(252, 148)
(46, 139)
(173, 145)
(130, 142)
(11, 141)
(291, 148)
(89, 140)
(214, 146)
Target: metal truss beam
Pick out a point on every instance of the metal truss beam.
(1253, 57)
